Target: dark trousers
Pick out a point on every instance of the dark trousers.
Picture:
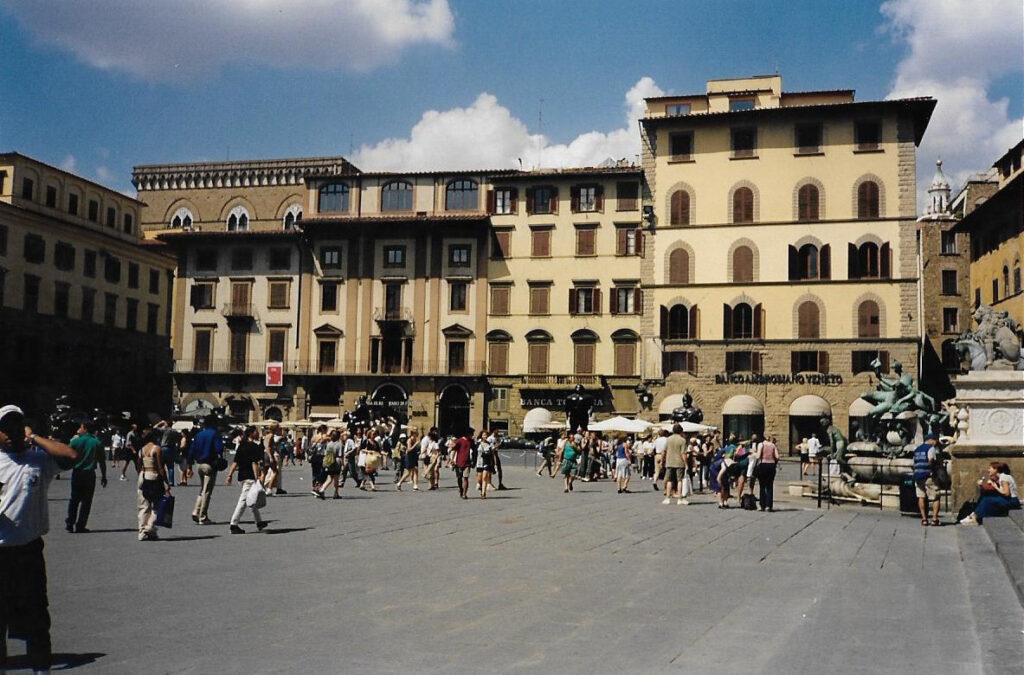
(351, 469)
(23, 602)
(766, 481)
(316, 465)
(83, 486)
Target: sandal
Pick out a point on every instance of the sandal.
(924, 523)
(935, 521)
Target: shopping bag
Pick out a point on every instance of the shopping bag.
(687, 488)
(165, 511)
(256, 498)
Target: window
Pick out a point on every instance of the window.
(239, 348)
(586, 241)
(393, 300)
(542, 200)
(585, 300)
(1006, 281)
(949, 285)
(808, 138)
(330, 257)
(458, 255)
(94, 210)
(110, 310)
(203, 293)
(61, 298)
(456, 357)
(280, 293)
(679, 322)
(807, 200)
(329, 296)
(133, 275)
(870, 261)
(680, 208)
(28, 187)
(293, 216)
(500, 300)
(950, 320)
(808, 321)
(111, 217)
(540, 297)
(203, 349)
(394, 256)
(810, 262)
(73, 204)
(679, 362)
(88, 304)
(862, 360)
(540, 242)
(741, 104)
(680, 146)
(506, 201)
(627, 195)
(867, 134)
(206, 260)
(457, 296)
(628, 240)
(280, 258)
(35, 249)
(1016, 277)
(328, 355)
(677, 109)
(586, 198)
(128, 223)
(743, 265)
(679, 266)
(995, 290)
(241, 298)
(333, 198)
(742, 362)
(276, 340)
(809, 362)
(867, 199)
(744, 142)
(89, 264)
(112, 270)
(948, 243)
(742, 322)
(625, 358)
(743, 205)
(977, 297)
(583, 357)
(31, 296)
(238, 220)
(626, 300)
(64, 256)
(182, 218)
(868, 320)
(501, 244)
(396, 196)
(497, 359)
(462, 195)
(537, 358)
(241, 258)
(131, 314)
(51, 196)
(152, 318)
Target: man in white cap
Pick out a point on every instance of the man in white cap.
(28, 463)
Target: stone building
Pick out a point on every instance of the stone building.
(782, 258)
(84, 300)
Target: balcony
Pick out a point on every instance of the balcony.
(387, 315)
(238, 311)
(317, 367)
(562, 380)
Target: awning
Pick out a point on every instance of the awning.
(322, 416)
(743, 404)
(670, 403)
(860, 408)
(535, 420)
(619, 423)
(810, 406)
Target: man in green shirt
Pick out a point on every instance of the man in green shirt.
(83, 477)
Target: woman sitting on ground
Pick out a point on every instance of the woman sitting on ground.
(998, 495)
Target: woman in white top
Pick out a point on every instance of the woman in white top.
(998, 494)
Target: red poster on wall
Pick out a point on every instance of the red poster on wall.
(275, 373)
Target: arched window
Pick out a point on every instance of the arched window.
(538, 348)
(867, 199)
(678, 322)
(238, 219)
(807, 203)
(461, 195)
(396, 196)
(680, 208)
(743, 265)
(808, 320)
(293, 216)
(1016, 276)
(742, 321)
(182, 218)
(679, 266)
(743, 205)
(807, 261)
(1006, 281)
(584, 344)
(867, 260)
(333, 198)
(868, 322)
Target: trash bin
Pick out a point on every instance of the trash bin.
(908, 498)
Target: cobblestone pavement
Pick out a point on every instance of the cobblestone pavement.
(529, 580)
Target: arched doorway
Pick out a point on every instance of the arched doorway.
(453, 411)
(805, 415)
(390, 400)
(743, 415)
(273, 413)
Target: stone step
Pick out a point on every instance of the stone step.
(1007, 536)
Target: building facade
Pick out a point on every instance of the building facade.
(85, 300)
(782, 260)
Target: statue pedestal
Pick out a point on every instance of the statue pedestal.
(990, 422)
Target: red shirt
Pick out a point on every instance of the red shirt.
(463, 449)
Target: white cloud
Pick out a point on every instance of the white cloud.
(104, 174)
(957, 48)
(486, 135)
(189, 38)
(69, 163)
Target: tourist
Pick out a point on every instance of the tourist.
(805, 459)
(767, 469)
(925, 486)
(675, 466)
(753, 457)
(430, 452)
(724, 461)
(276, 452)
(410, 460)
(659, 457)
(369, 459)
(352, 443)
(485, 452)
(814, 452)
(462, 450)
(647, 458)
(331, 462)
(83, 477)
(567, 459)
(206, 451)
(998, 495)
(623, 458)
(28, 464)
(547, 453)
(493, 439)
(247, 463)
(153, 483)
(170, 445)
(315, 450)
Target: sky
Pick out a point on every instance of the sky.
(101, 86)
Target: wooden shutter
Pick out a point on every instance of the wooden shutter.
(585, 358)
(694, 323)
(531, 194)
(597, 301)
(822, 362)
(729, 362)
(538, 361)
(679, 267)
(613, 301)
(726, 321)
(239, 342)
(276, 340)
(794, 264)
(885, 262)
(758, 321)
(639, 241)
(621, 240)
(574, 198)
(755, 362)
(883, 356)
(664, 322)
(638, 301)
(553, 202)
(497, 358)
(514, 200)
(599, 198)
(852, 269)
(825, 261)
(625, 358)
(240, 296)
(585, 241)
(202, 349)
(573, 297)
(794, 362)
(691, 363)
(499, 300)
(490, 201)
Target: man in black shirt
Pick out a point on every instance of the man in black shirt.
(247, 463)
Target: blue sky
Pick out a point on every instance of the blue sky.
(101, 86)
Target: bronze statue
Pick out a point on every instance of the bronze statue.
(687, 412)
(577, 409)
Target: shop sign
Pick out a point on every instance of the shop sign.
(275, 373)
(827, 379)
(554, 399)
